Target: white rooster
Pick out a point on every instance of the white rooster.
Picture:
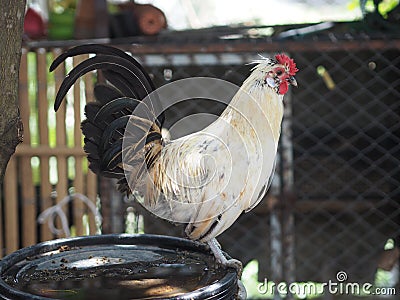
(206, 179)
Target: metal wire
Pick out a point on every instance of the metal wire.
(344, 152)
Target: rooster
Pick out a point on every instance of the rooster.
(206, 179)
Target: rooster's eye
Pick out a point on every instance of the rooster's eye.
(279, 72)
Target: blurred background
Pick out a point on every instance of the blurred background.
(334, 204)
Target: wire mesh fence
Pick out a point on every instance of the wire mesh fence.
(346, 150)
(334, 203)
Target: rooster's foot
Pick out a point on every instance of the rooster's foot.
(215, 247)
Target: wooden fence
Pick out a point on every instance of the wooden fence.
(50, 164)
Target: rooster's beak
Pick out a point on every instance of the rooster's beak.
(292, 81)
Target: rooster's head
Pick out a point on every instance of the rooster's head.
(277, 73)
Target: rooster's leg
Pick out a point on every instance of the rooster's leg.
(219, 255)
(230, 263)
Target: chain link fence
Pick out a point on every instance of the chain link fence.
(334, 205)
(346, 161)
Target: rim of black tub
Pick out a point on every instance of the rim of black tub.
(223, 288)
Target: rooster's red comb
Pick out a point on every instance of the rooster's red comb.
(289, 63)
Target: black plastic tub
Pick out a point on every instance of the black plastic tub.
(116, 267)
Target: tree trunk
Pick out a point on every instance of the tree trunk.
(11, 27)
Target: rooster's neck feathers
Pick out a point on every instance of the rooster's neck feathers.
(254, 94)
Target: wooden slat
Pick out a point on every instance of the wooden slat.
(259, 45)
(61, 139)
(79, 207)
(45, 186)
(45, 150)
(11, 207)
(28, 209)
(91, 183)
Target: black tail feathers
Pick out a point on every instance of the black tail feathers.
(127, 84)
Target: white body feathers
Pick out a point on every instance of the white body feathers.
(207, 179)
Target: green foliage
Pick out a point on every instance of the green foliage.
(60, 6)
(134, 222)
(384, 7)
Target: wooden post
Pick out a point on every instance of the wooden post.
(61, 138)
(43, 105)
(11, 131)
(11, 24)
(28, 209)
(288, 198)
